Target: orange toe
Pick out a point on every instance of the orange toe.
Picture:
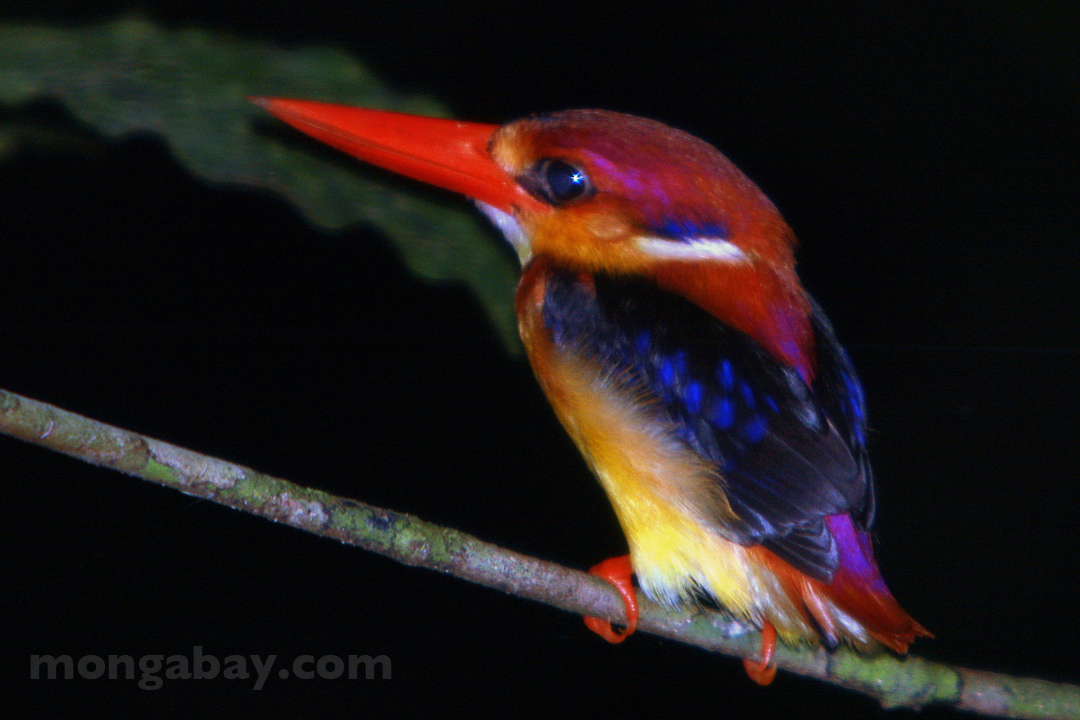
(764, 671)
(618, 572)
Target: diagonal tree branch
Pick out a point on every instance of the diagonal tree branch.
(895, 682)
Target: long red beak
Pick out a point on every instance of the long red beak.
(446, 153)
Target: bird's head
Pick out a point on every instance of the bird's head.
(598, 191)
(626, 194)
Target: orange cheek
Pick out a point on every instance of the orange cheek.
(585, 239)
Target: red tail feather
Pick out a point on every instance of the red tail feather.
(857, 590)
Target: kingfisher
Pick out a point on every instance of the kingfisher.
(663, 318)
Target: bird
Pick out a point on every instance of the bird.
(662, 315)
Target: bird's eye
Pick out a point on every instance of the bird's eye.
(560, 182)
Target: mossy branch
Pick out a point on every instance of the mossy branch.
(895, 682)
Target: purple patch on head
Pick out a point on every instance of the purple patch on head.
(856, 554)
(663, 193)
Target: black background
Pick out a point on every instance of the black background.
(927, 160)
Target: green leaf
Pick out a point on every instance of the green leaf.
(189, 86)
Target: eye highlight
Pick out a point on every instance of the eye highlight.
(558, 182)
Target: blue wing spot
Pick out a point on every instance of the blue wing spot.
(692, 396)
(667, 372)
(855, 405)
(725, 374)
(754, 430)
(723, 415)
(747, 393)
(771, 402)
(855, 399)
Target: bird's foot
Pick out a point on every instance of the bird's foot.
(618, 572)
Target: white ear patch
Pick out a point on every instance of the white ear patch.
(695, 248)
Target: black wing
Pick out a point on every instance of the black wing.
(788, 456)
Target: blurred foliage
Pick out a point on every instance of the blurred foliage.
(189, 87)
